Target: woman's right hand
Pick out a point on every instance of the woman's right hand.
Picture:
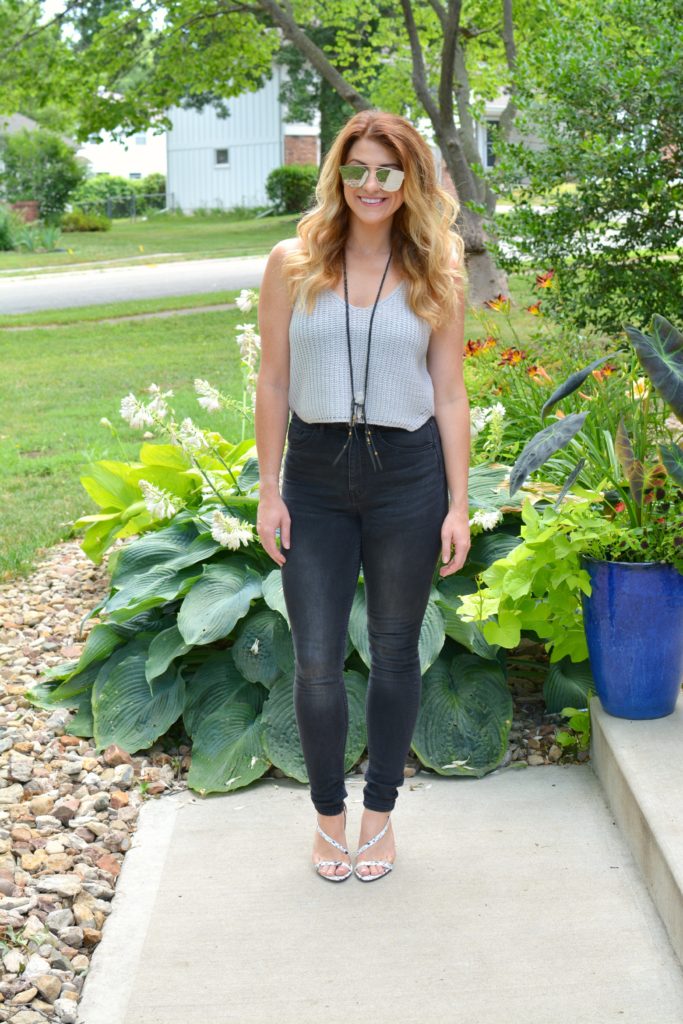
(273, 514)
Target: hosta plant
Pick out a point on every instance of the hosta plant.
(194, 629)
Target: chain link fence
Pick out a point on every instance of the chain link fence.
(132, 205)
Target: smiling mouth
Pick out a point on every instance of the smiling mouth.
(367, 201)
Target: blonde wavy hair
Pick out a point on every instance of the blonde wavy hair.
(423, 239)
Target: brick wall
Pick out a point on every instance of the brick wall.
(301, 149)
(28, 209)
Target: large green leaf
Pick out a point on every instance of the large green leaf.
(632, 467)
(487, 548)
(111, 484)
(215, 684)
(103, 638)
(66, 694)
(254, 648)
(176, 546)
(464, 718)
(469, 634)
(484, 486)
(567, 684)
(249, 476)
(227, 750)
(661, 356)
(432, 631)
(170, 455)
(124, 711)
(281, 734)
(273, 594)
(100, 533)
(544, 444)
(572, 382)
(81, 723)
(155, 587)
(672, 459)
(218, 601)
(164, 648)
(280, 731)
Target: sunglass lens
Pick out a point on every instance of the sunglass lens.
(353, 176)
(390, 179)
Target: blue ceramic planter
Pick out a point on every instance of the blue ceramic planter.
(634, 630)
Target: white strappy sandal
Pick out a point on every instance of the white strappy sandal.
(318, 864)
(386, 864)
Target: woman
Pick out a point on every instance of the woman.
(363, 313)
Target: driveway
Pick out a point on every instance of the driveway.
(30, 294)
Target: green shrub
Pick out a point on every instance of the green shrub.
(195, 626)
(79, 220)
(152, 191)
(114, 196)
(37, 237)
(40, 165)
(10, 227)
(291, 188)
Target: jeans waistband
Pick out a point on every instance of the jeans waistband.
(345, 426)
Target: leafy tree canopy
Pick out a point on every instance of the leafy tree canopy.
(605, 97)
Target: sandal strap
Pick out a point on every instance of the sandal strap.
(374, 839)
(332, 841)
(382, 863)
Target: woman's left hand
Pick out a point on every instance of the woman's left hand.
(455, 532)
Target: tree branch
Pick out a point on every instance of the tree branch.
(284, 19)
(440, 11)
(510, 112)
(450, 42)
(422, 89)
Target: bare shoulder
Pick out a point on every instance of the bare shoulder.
(285, 246)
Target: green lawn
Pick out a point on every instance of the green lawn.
(57, 384)
(191, 237)
(113, 310)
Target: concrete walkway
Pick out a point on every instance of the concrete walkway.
(29, 294)
(514, 898)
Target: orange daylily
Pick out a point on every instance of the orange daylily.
(475, 346)
(535, 308)
(511, 356)
(537, 372)
(501, 303)
(545, 280)
(605, 371)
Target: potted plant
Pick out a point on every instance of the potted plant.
(633, 615)
(615, 551)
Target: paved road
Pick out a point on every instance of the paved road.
(30, 294)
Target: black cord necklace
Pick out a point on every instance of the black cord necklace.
(358, 406)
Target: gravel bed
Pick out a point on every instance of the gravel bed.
(67, 813)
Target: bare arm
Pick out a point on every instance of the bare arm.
(451, 409)
(272, 402)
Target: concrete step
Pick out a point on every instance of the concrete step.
(640, 767)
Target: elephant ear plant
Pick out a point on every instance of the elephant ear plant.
(622, 501)
(194, 633)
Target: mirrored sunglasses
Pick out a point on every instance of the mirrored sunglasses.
(389, 179)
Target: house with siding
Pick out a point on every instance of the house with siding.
(215, 162)
(220, 162)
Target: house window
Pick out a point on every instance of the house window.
(221, 157)
(490, 136)
(135, 175)
(141, 140)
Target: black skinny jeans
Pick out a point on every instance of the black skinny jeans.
(389, 521)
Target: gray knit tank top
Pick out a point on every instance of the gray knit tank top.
(400, 389)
